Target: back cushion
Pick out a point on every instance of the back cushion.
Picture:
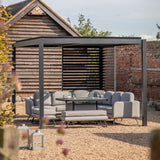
(59, 94)
(80, 93)
(116, 97)
(47, 98)
(108, 95)
(98, 93)
(127, 96)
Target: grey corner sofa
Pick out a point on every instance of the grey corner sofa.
(52, 107)
(120, 105)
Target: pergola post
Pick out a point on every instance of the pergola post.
(101, 68)
(41, 85)
(14, 69)
(115, 70)
(144, 83)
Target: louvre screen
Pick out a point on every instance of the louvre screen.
(81, 68)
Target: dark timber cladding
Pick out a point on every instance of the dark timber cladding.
(27, 58)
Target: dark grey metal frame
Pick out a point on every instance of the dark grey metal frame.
(100, 42)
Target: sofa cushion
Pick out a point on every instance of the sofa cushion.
(86, 118)
(47, 98)
(98, 93)
(106, 107)
(60, 108)
(47, 111)
(80, 93)
(127, 96)
(59, 94)
(116, 97)
(84, 113)
(108, 95)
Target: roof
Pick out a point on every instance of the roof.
(78, 41)
(19, 10)
(15, 8)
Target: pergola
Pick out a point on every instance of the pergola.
(101, 42)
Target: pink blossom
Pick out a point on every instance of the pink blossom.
(6, 67)
(59, 141)
(61, 130)
(66, 151)
(15, 80)
(45, 120)
(6, 93)
(2, 25)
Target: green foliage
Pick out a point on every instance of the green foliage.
(4, 40)
(8, 80)
(6, 115)
(158, 46)
(85, 28)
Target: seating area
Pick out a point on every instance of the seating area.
(87, 107)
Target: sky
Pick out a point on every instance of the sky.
(136, 18)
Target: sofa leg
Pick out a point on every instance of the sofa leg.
(137, 121)
(28, 117)
(54, 123)
(32, 120)
(114, 121)
(105, 123)
(67, 123)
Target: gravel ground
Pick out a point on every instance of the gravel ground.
(123, 141)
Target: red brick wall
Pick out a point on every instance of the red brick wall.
(129, 70)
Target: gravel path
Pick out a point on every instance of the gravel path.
(123, 141)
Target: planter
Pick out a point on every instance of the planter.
(9, 139)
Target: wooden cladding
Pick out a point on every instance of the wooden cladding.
(81, 68)
(27, 66)
(27, 59)
(64, 68)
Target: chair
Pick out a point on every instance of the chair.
(32, 106)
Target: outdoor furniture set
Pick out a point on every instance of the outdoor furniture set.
(82, 105)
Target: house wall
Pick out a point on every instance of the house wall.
(27, 59)
(129, 70)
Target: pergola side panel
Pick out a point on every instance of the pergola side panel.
(81, 68)
(108, 69)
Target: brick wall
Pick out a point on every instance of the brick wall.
(129, 70)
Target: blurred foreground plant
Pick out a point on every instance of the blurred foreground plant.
(61, 131)
(8, 80)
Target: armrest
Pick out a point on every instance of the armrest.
(28, 106)
(126, 109)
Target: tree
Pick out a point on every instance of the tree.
(158, 45)
(158, 34)
(85, 28)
